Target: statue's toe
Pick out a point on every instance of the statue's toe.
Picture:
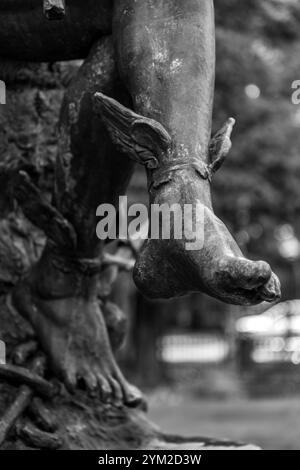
(243, 273)
(132, 396)
(254, 278)
(68, 376)
(117, 390)
(87, 380)
(271, 291)
(104, 388)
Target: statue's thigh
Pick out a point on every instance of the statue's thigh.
(26, 34)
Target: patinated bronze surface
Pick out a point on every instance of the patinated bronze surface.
(144, 93)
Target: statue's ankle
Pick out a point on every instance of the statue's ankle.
(60, 274)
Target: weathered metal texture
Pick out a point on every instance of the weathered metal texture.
(166, 56)
(8, 421)
(19, 375)
(155, 100)
(164, 70)
(28, 381)
(54, 9)
(61, 295)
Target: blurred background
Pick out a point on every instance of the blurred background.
(206, 367)
(211, 368)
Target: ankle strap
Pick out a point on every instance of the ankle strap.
(163, 174)
(87, 267)
(69, 262)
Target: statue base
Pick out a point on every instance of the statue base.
(87, 424)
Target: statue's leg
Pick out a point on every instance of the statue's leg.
(60, 294)
(166, 57)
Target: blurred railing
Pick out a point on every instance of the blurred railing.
(192, 348)
(210, 348)
(269, 349)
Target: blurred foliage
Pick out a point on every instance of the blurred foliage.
(257, 60)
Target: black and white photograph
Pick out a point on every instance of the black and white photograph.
(149, 228)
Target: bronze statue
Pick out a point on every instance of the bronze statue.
(143, 94)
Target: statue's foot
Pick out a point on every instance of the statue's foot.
(169, 268)
(178, 174)
(73, 333)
